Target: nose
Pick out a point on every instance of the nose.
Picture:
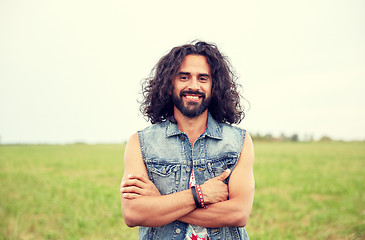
(194, 84)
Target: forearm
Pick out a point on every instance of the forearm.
(154, 211)
(235, 211)
(223, 214)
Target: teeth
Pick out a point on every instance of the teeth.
(192, 97)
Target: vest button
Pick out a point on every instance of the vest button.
(182, 137)
(178, 231)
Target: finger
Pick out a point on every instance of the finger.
(130, 195)
(224, 174)
(142, 178)
(133, 182)
(131, 189)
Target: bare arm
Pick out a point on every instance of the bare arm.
(236, 210)
(154, 210)
(143, 205)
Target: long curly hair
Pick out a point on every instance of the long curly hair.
(225, 105)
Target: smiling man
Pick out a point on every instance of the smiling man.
(190, 174)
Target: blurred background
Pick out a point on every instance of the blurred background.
(70, 78)
(70, 71)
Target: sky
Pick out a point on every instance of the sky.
(71, 71)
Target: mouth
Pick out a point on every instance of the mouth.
(192, 96)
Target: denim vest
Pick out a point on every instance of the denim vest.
(170, 158)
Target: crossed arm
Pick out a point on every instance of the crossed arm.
(143, 205)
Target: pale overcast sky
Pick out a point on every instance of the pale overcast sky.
(71, 70)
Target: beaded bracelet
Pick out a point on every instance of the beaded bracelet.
(201, 199)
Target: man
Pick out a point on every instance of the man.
(190, 174)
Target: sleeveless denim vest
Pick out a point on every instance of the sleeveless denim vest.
(170, 158)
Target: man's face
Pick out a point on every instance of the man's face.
(192, 86)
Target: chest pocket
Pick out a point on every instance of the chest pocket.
(165, 176)
(216, 166)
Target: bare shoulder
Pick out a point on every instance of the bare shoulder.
(133, 162)
(247, 153)
(133, 141)
(241, 183)
(132, 147)
(246, 158)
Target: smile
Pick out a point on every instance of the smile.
(193, 98)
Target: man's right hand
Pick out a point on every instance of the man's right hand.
(215, 190)
(136, 186)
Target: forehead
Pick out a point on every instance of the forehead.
(195, 64)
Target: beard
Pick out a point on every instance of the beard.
(193, 109)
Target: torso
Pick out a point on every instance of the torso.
(170, 159)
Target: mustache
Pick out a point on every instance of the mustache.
(186, 92)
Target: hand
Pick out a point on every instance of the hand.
(215, 190)
(137, 186)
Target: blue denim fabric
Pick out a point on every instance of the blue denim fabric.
(170, 158)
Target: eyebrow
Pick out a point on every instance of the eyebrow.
(201, 74)
(204, 75)
(184, 73)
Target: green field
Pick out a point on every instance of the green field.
(303, 191)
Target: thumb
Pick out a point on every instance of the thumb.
(224, 174)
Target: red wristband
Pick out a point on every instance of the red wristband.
(200, 196)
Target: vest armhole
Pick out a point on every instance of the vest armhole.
(243, 137)
(141, 145)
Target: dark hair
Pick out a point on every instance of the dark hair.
(225, 105)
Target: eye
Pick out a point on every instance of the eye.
(184, 77)
(203, 79)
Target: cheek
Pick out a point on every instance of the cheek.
(175, 93)
(209, 90)
(177, 88)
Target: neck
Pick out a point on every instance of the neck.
(193, 127)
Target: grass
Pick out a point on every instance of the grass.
(303, 191)
(309, 191)
(61, 192)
